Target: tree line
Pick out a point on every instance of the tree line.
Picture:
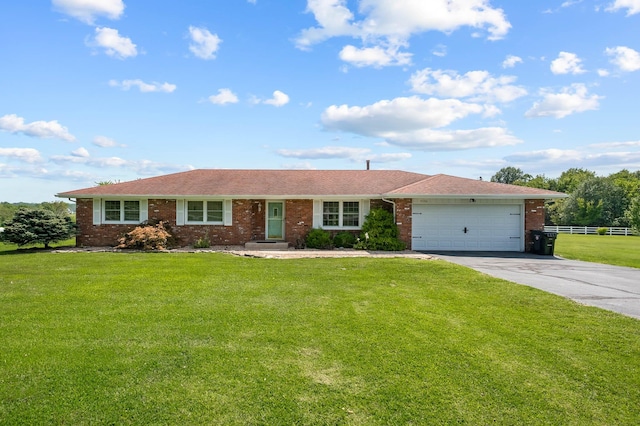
(612, 200)
(60, 208)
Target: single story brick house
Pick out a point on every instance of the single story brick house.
(233, 207)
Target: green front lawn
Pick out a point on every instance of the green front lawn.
(11, 247)
(609, 249)
(143, 338)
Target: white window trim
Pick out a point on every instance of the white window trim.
(99, 211)
(182, 213)
(363, 210)
(204, 213)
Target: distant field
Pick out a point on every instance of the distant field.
(609, 249)
(207, 338)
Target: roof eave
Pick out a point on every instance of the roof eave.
(481, 196)
(227, 196)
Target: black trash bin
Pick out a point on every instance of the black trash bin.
(543, 242)
(549, 242)
(537, 237)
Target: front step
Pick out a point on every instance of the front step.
(266, 245)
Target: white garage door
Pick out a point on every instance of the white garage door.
(474, 227)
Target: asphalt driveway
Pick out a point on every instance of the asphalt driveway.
(615, 288)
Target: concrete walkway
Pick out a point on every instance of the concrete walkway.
(615, 288)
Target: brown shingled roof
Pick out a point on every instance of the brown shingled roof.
(307, 183)
(251, 183)
(446, 186)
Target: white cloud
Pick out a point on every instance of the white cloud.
(612, 145)
(603, 73)
(105, 142)
(624, 58)
(88, 10)
(632, 6)
(298, 166)
(570, 100)
(389, 157)
(114, 44)
(511, 61)
(376, 56)
(27, 155)
(388, 25)
(439, 51)
(567, 63)
(39, 129)
(224, 96)
(81, 152)
(279, 99)
(204, 45)
(476, 85)
(142, 167)
(341, 152)
(399, 19)
(327, 152)
(144, 87)
(410, 122)
(564, 158)
(399, 113)
(451, 140)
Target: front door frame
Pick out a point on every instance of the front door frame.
(281, 217)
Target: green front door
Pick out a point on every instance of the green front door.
(275, 220)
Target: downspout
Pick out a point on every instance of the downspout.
(394, 207)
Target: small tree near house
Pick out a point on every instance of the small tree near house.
(31, 226)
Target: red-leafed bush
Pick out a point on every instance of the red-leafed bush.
(146, 237)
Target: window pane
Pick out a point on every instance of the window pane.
(195, 211)
(112, 211)
(214, 211)
(350, 213)
(132, 211)
(331, 213)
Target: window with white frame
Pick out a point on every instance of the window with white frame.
(122, 211)
(204, 211)
(341, 214)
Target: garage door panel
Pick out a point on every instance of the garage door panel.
(489, 227)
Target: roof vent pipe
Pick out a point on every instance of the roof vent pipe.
(368, 164)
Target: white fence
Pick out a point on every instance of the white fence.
(611, 230)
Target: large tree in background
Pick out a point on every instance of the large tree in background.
(633, 213)
(31, 226)
(628, 181)
(510, 175)
(594, 202)
(570, 179)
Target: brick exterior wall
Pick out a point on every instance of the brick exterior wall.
(90, 235)
(298, 221)
(404, 212)
(533, 221)
(249, 222)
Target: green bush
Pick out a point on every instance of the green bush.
(602, 231)
(379, 232)
(319, 239)
(344, 239)
(202, 242)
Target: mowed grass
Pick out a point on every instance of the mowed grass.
(142, 338)
(609, 249)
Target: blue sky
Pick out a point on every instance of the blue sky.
(95, 90)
